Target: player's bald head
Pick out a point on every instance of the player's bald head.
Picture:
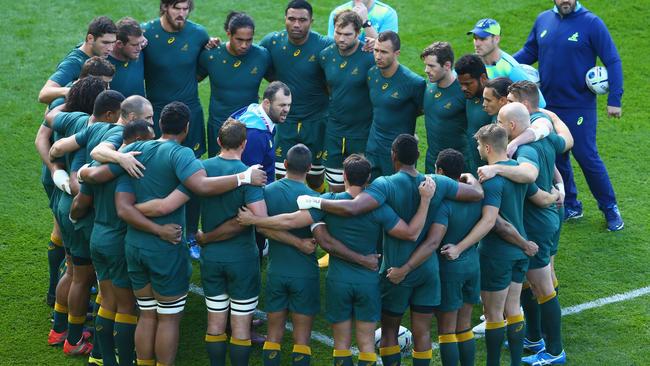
(135, 107)
(515, 115)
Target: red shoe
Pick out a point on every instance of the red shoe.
(56, 339)
(84, 347)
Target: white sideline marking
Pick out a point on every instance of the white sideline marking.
(322, 338)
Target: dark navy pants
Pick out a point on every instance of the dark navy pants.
(583, 123)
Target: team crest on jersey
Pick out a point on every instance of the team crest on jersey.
(237, 63)
(312, 58)
(355, 71)
(574, 37)
(438, 95)
(254, 71)
(323, 155)
(541, 35)
(395, 95)
(185, 47)
(448, 105)
(126, 64)
(278, 152)
(385, 86)
(296, 53)
(171, 40)
(343, 64)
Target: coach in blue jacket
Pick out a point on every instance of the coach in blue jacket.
(566, 41)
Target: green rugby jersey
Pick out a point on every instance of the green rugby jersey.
(508, 197)
(46, 175)
(234, 80)
(459, 218)
(215, 210)
(66, 124)
(359, 233)
(97, 133)
(297, 66)
(167, 165)
(476, 118)
(445, 121)
(350, 111)
(108, 229)
(400, 191)
(69, 68)
(396, 103)
(284, 259)
(129, 76)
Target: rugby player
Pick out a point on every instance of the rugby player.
(376, 17)
(129, 66)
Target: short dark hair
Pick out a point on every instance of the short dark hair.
(472, 65)
(138, 129)
(298, 159)
(500, 86)
(357, 170)
(406, 150)
(107, 101)
(97, 66)
(299, 4)
(82, 94)
(236, 20)
(525, 90)
(273, 88)
(494, 135)
(442, 51)
(100, 26)
(128, 27)
(133, 104)
(452, 163)
(174, 118)
(392, 37)
(232, 134)
(348, 17)
(164, 3)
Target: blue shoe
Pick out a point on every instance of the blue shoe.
(544, 358)
(534, 347)
(614, 219)
(195, 248)
(572, 213)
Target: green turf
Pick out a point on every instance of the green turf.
(592, 263)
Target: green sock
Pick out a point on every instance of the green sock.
(55, 255)
(75, 328)
(532, 315)
(552, 324)
(240, 351)
(343, 357)
(367, 359)
(391, 355)
(124, 337)
(494, 334)
(516, 334)
(271, 354)
(104, 325)
(448, 350)
(216, 347)
(97, 347)
(466, 347)
(301, 355)
(60, 318)
(422, 358)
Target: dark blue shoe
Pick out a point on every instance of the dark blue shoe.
(572, 213)
(614, 219)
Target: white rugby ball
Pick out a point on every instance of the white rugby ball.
(531, 72)
(404, 339)
(596, 79)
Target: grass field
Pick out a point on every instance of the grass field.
(592, 263)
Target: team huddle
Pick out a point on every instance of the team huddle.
(121, 144)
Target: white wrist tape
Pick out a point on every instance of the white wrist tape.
(316, 224)
(244, 177)
(83, 167)
(61, 180)
(560, 187)
(306, 202)
(540, 130)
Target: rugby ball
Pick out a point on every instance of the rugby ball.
(596, 79)
(531, 73)
(404, 339)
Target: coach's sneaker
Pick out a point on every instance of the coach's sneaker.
(534, 347)
(83, 347)
(545, 358)
(195, 248)
(56, 339)
(614, 219)
(94, 361)
(572, 213)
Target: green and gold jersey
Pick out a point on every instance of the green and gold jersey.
(129, 76)
(108, 229)
(476, 118)
(297, 66)
(215, 210)
(46, 175)
(459, 218)
(167, 164)
(445, 121)
(396, 103)
(286, 260)
(69, 68)
(400, 191)
(234, 80)
(66, 124)
(359, 233)
(350, 111)
(97, 133)
(508, 197)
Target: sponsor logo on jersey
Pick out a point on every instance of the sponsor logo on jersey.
(438, 94)
(254, 71)
(541, 35)
(185, 47)
(237, 63)
(385, 86)
(296, 53)
(343, 64)
(580, 120)
(196, 146)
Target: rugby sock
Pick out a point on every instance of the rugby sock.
(104, 325)
(60, 318)
(322, 188)
(124, 337)
(466, 347)
(75, 328)
(423, 358)
(390, 355)
(301, 355)
(271, 353)
(240, 351)
(367, 359)
(494, 334)
(342, 357)
(55, 255)
(552, 324)
(532, 315)
(448, 350)
(97, 347)
(516, 334)
(140, 362)
(216, 347)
